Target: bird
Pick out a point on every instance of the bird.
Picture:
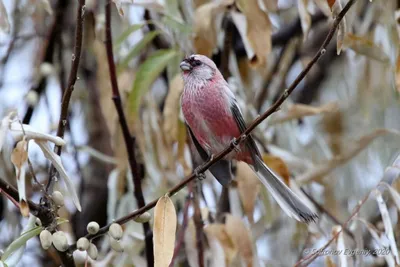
(214, 121)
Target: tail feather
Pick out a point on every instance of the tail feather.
(286, 198)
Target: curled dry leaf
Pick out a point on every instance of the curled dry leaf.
(218, 231)
(255, 31)
(388, 225)
(278, 166)
(164, 228)
(248, 187)
(366, 47)
(31, 133)
(118, 4)
(297, 111)
(205, 28)
(19, 158)
(395, 195)
(241, 238)
(270, 5)
(336, 8)
(331, 3)
(4, 23)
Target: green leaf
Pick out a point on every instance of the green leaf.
(147, 73)
(137, 49)
(61, 221)
(132, 28)
(21, 241)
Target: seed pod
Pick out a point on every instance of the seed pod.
(83, 244)
(46, 239)
(60, 241)
(143, 218)
(116, 231)
(46, 69)
(32, 98)
(58, 198)
(93, 228)
(92, 251)
(116, 245)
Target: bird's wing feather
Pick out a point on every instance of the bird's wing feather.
(221, 170)
(250, 143)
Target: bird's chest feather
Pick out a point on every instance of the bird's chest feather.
(207, 112)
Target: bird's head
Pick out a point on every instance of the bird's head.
(198, 67)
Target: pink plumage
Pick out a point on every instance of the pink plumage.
(214, 119)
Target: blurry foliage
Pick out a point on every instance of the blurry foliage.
(339, 147)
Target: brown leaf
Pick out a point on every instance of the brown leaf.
(336, 9)
(270, 5)
(305, 17)
(257, 34)
(329, 262)
(248, 187)
(218, 231)
(241, 237)
(364, 46)
(297, 111)
(205, 30)
(278, 166)
(331, 3)
(20, 154)
(164, 228)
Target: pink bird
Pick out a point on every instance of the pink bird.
(214, 121)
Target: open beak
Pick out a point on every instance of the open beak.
(185, 66)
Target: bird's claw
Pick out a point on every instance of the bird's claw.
(235, 143)
(200, 175)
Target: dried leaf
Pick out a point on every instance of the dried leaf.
(146, 75)
(297, 111)
(248, 186)
(388, 225)
(47, 6)
(218, 231)
(4, 127)
(323, 5)
(164, 228)
(171, 110)
(336, 9)
(395, 195)
(241, 237)
(205, 28)
(278, 166)
(270, 5)
(340, 246)
(366, 47)
(118, 4)
(190, 244)
(331, 3)
(355, 148)
(257, 32)
(4, 24)
(19, 158)
(329, 262)
(29, 133)
(56, 161)
(305, 17)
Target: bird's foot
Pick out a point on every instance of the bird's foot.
(235, 143)
(200, 175)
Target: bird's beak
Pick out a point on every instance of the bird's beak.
(185, 66)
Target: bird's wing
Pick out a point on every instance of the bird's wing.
(250, 143)
(221, 169)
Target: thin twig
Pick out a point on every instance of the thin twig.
(128, 138)
(231, 147)
(76, 56)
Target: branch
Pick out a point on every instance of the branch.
(129, 140)
(76, 56)
(241, 138)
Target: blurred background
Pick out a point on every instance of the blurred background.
(333, 141)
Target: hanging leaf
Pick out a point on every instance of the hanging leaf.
(164, 228)
(135, 51)
(218, 231)
(305, 17)
(278, 166)
(257, 31)
(146, 75)
(248, 187)
(366, 47)
(4, 23)
(241, 237)
(125, 34)
(331, 3)
(19, 157)
(118, 4)
(336, 9)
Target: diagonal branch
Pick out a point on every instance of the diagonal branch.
(129, 139)
(275, 107)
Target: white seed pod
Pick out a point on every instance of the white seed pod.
(46, 239)
(116, 231)
(58, 198)
(38, 222)
(60, 241)
(93, 228)
(83, 244)
(116, 245)
(143, 218)
(46, 69)
(92, 251)
(32, 98)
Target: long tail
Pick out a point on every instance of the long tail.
(286, 198)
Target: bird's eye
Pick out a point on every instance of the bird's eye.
(197, 63)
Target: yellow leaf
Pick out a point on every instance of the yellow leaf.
(329, 262)
(331, 3)
(19, 158)
(20, 154)
(218, 231)
(257, 32)
(278, 166)
(241, 237)
(164, 228)
(248, 187)
(364, 46)
(204, 26)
